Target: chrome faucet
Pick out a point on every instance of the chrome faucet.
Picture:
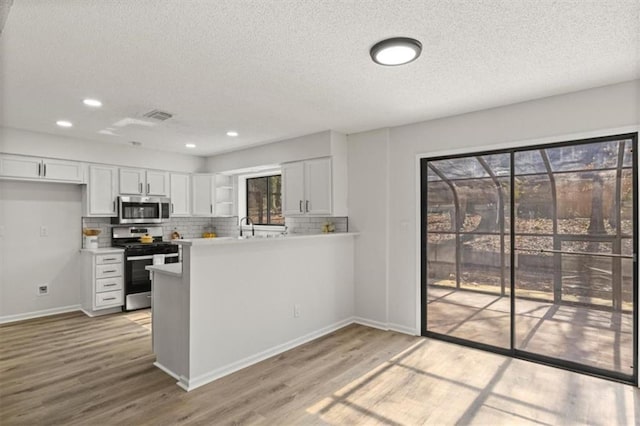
(249, 222)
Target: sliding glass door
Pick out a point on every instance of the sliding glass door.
(564, 215)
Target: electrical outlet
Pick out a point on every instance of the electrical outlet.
(44, 231)
(42, 289)
(296, 311)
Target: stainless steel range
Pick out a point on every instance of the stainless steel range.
(138, 255)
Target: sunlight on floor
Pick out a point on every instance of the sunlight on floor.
(435, 382)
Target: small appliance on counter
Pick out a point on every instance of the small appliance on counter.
(143, 246)
(90, 238)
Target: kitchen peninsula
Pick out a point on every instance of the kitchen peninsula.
(234, 302)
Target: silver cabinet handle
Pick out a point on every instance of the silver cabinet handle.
(307, 206)
(108, 272)
(114, 206)
(172, 209)
(300, 206)
(110, 258)
(211, 208)
(39, 169)
(109, 298)
(44, 167)
(148, 188)
(140, 186)
(110, 285)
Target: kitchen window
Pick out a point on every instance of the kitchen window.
(264, 200)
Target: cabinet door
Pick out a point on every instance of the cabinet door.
(157, 183)
(102, 190)
(62, 170)
(132, 181)
(293, 189)
(317, 180)
(20, 167)
(180, 194)
(203, 195)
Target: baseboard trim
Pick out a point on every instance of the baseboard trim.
(385, 326)
(37, 314)
(371, 323)
(203, 379)
(101, 312)
(403, 329)
(166, 370)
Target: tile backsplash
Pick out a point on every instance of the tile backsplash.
(193, 227)
(314, 224)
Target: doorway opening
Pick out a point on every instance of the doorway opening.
(531, 252)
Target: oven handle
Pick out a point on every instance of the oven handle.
(150, 257)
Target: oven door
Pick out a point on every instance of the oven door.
(137, 287)
(142, 210)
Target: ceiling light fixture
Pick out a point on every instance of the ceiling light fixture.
(64, 123)
(232, 133)
(190, 145)
(396, 51)
(92, 103)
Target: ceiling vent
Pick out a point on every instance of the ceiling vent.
(156, 114)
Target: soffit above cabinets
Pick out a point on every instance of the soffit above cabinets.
(273, 70)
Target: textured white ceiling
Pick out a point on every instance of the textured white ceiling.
(276, 69)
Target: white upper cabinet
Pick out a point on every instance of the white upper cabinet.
(101, 191)
(157, 183)
(23, 167)
(132, 181)
(144, 182)
(180, 194)
(306, 187)
(203, 186)
(293, 189)
(317, 186)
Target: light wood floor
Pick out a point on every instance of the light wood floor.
(70, 369)
(589, 336)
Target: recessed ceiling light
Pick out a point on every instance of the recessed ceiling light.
(396, 51)
(190, 145)
(232, 133)
(92, 103)
(64, 123)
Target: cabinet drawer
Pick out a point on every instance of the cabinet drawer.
(108, 284)
(108, 271)
(103, 259)
(109, 298)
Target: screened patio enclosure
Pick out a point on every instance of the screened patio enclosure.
(530, 252)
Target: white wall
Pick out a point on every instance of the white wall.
(301, 148)
(256, 304)
(581, 114)
(368, 214)
(14, 141)
(27, 259)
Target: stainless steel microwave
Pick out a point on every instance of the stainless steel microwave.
(142, 210)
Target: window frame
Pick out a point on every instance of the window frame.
(268, 179)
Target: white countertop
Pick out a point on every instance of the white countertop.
(103, 250)
(174, 269)
(253, 240)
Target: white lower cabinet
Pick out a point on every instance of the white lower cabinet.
(103, 281)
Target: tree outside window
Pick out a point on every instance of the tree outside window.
(264, 200)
